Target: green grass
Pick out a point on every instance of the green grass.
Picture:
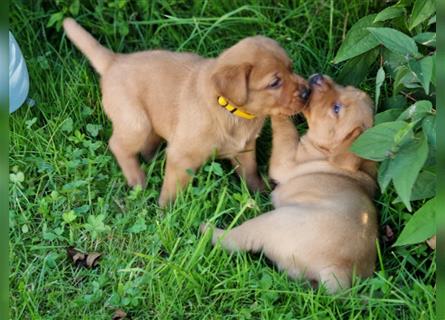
(155, 264)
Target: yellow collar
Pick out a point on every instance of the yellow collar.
(236, 111)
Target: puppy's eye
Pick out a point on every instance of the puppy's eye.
(275, 84)
(336, 108)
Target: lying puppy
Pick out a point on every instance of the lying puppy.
(197, 105)
(324, 226)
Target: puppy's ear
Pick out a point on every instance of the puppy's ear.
(342, 157)
(231, 82)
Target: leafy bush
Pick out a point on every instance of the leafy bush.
(401, 40)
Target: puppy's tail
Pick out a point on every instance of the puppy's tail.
(99, 56)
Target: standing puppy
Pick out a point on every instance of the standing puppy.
(197, 105)
(324, 226)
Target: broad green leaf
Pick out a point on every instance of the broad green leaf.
(96, 225)
(396, 102)
(406, 165)
(403, 135)
(432, 20)
(123, 28)
(423, 69)
(429, 129)
(421, 226)
(74, 185)
(25, 228)
(18, 177)
(266, 281)
(417, 111)
(387, 115)
(433, 76)
(69, 216)
(389, 13)
(356, 69)
(67, 125)
(82, 209)
(216, 168)
(426, 39)
(395, 41)
(378, 84)
(139, 225)
(74, 7)
(29, 123)
(55, 18)
(427, 67)
(424, 187)
(93, 129)
(393, 61)
(358, 40)
(380, 142)
(384, 177)
(404, 78)
(422, 10)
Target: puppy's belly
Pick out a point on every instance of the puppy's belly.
(303, 240)
(316, 188)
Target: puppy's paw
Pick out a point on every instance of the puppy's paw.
(216, 233)
(165, 199)
(256, 185)
(162, 202)
(205, 226)
(136, 178)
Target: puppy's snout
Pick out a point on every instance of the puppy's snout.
(316, 79)
(302, 89)
(305, 92)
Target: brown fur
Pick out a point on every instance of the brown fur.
(159, 95)
(324, 225)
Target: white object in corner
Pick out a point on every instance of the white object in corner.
(18, 76)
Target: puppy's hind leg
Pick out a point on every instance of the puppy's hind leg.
(249, 236)
(179, 162)
(335, 278)
(126, 142)
(150, 146)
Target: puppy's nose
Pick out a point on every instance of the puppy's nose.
(316, 79)
(304, 93)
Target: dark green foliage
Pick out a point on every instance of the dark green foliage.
(404, 138)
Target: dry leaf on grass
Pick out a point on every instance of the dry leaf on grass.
(86, 260)
(388, 235)
(119, 314)
(432, 242)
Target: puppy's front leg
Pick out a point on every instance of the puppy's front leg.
(246, 167)
(176, 175)
(285, 141)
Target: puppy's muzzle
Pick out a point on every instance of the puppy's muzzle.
(302, 89)
(304, 94)
(316, 80)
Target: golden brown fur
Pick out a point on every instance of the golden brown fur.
(160, 95)
(324, 225)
